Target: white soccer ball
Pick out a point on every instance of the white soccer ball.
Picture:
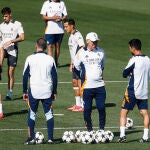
(99, 136)
(78, 135)
(109, 136)
(86, 137)
(39, 137)
(129, 123)
(68, 137)
(103, 138)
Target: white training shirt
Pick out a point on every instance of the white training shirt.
(50, 9)
(91, 64)
(75, 42)
(138, 69)
(9, 31)
(39, 66)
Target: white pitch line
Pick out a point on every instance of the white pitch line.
(71, 82)
(58, 114)
(67, 128)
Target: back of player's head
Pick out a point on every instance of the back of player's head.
(6, 10)
(41, 43)
(136, 43)
(70, 21)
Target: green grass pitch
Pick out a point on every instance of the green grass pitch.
(116, 22)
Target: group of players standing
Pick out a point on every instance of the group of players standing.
(87, 65)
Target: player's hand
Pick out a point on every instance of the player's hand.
(6, 44)
(25, 97)
(71, 67)
(54, 97)
(58, 19)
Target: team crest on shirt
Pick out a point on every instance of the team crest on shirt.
(50, 7)
(98, 54)
(86, 56)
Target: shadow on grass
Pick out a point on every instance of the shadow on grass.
(110, 105)
(18, 98)
(65, 65)
(15, 98)
(16, 113)
(128, 132)
(58, 141)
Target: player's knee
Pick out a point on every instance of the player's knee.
(75, 83)
(32, 115)
(49, 115)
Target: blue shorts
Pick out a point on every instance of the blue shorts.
(54, 38)
(11, 60)
(130, 101)
(74, 75)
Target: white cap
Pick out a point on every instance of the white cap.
(92, 36)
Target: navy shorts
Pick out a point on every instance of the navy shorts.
(54, 38)
(74, 75)
(11, 60)
(130, 101)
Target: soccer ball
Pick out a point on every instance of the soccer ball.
(68, 137)
(78, 135)
(39, 137)
(103, 138)
(129, 123)
(109, 136)
(86, 137)
(97, 136)
(100, 137)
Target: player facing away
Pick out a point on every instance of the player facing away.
(41, 70)
(75, 42)
(89, 63)
(53, 12)
(138, 71)
(11, 32)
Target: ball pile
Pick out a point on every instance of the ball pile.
(86, 137)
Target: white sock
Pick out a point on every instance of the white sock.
(122, 131)
(1, 110)
(145, 135)
(78, 102)
(82, 103)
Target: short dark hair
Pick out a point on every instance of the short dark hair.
(41, 43)
(70, 21)
(6, 10)
(136, 43)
